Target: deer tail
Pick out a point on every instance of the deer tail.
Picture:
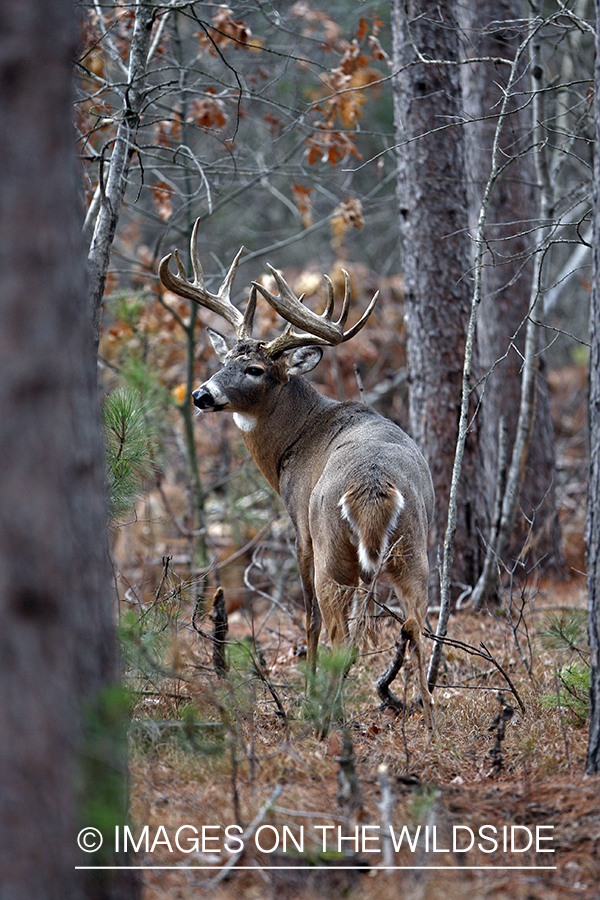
(372, 514)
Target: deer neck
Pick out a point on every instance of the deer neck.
(283, 424)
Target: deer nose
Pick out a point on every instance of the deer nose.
(202, 398)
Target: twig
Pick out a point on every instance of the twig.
(561, 719)
(166, 560)
(359, 382)
(349, 796)
(219, 633)
(207, 570)
(118, 167)
(386, 807)
(261, 675)
(248, 835)
(483, 652)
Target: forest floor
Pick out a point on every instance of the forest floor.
(228, 772)
(279, 781)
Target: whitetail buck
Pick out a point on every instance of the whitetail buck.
(357, 489)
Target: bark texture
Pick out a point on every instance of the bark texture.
(57, 646)
(435, 252)
(593, 511)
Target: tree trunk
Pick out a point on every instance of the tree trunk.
(508, 269)
(57, 644)
(593, 510)
(435, 259)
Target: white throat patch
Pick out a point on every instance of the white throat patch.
(244, 423)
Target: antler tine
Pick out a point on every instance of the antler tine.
(289, 340)
(225, 288)
(321, 329)
(195, 256)
(358, 325)
(220, 302)
(291, 308)
(179, 264)
(245, 331)
(346, 302)
(330, 298)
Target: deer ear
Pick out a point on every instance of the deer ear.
(219, 342)
(303, 359)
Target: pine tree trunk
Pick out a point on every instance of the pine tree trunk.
(508, 268)
(593, 511)
(435, 258)
(57, 646)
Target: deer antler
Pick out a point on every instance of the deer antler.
(322, 330)
(195, 290)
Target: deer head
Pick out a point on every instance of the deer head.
(255, 367)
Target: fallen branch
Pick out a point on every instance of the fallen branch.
(483, 652)
(248, 835)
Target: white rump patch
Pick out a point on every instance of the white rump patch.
(244, 423)
(369, 565)
(389, 531)
(346, 514)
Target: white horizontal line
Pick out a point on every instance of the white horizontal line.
(324, 868)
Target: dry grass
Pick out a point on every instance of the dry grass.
(445, 779)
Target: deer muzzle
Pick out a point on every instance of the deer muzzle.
(209, 397)
(203, 399)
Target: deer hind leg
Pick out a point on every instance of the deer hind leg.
(390, 700)
(413, 595)
(336, 573)
(335, 601)
(415, 628)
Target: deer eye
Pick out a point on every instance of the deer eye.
(255, 371)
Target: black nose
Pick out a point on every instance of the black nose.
(203, 399)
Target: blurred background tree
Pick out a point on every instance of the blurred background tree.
(58, 645)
